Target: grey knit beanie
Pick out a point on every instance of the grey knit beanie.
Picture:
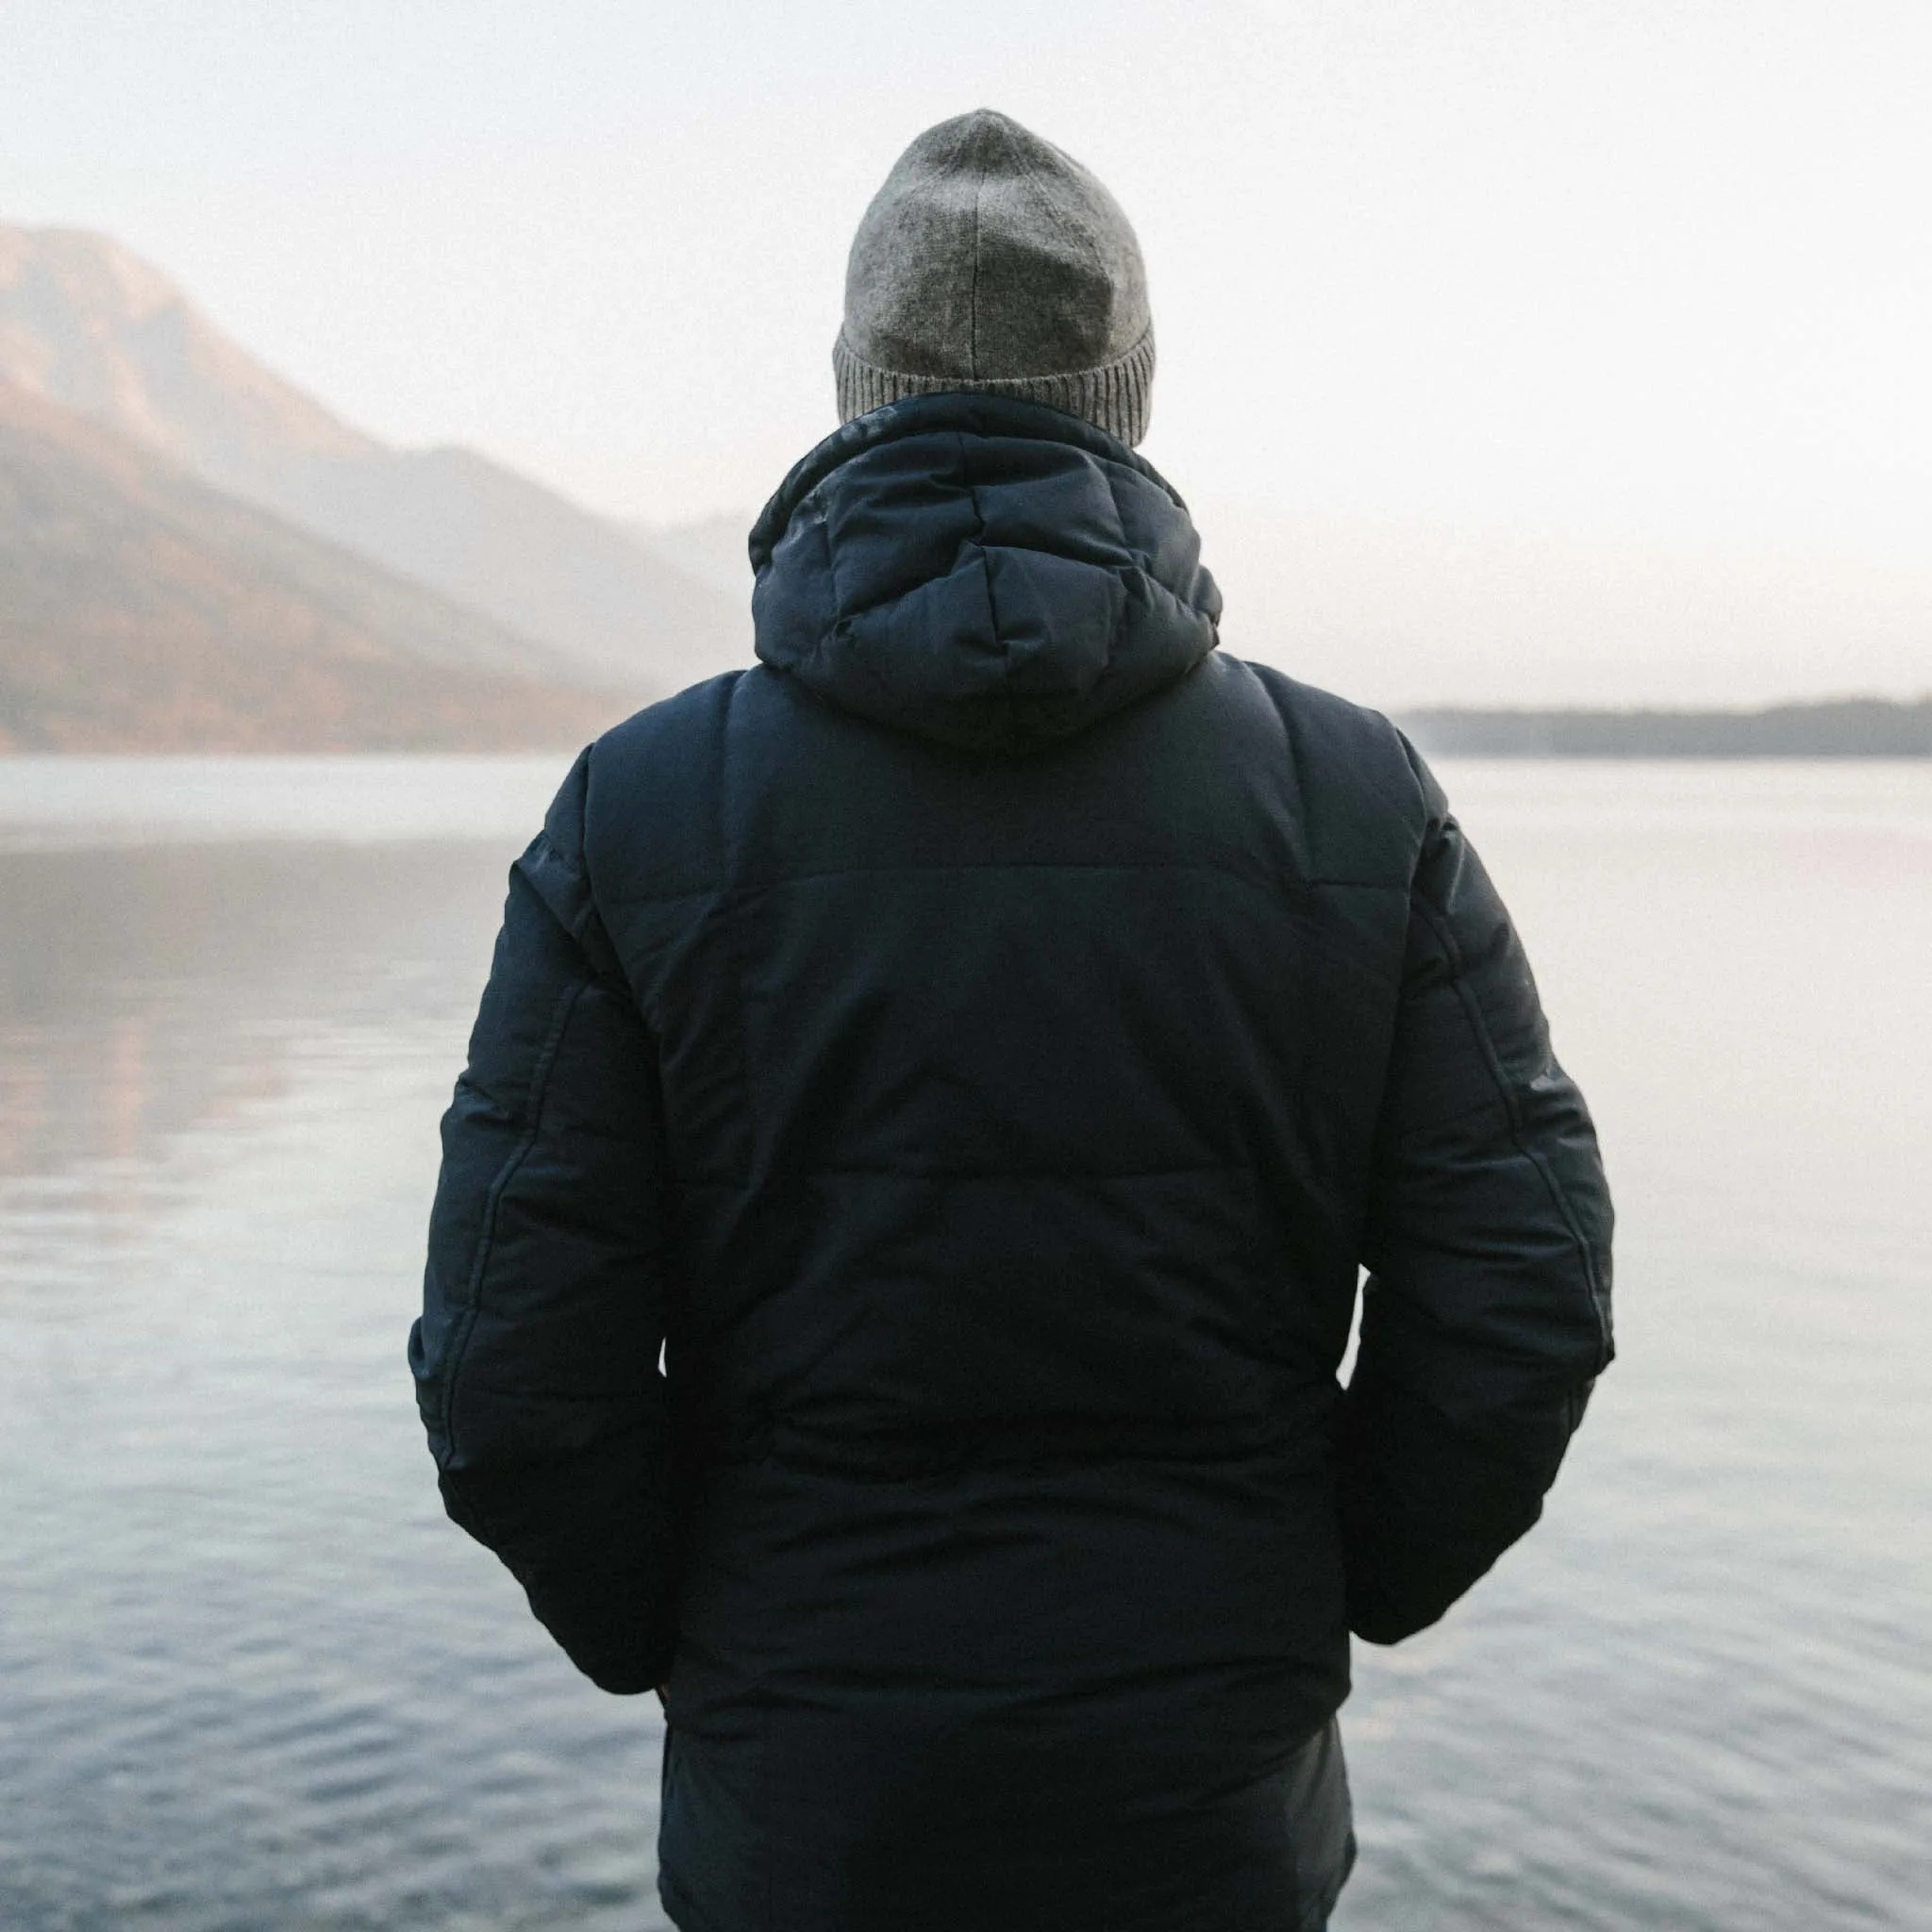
(991, 260)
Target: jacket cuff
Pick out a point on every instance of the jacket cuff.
(1425, 1509)
(625, 1656)
(610, 1616)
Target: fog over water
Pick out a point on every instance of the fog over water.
(250, 1677)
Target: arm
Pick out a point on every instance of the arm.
(543, 1304)
(1485, 1317)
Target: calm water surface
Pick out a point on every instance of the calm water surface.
(251, 1679)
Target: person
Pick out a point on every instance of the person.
(980, 1045)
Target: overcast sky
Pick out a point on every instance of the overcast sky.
(1553, 349)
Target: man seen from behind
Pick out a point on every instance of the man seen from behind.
(980, 1045)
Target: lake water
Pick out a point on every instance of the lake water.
(250, 1678)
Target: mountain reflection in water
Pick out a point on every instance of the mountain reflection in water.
(249, 1678)
(145, 990)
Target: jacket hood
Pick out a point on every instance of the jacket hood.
(988, 571)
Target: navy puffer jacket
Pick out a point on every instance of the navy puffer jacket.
(981, 1043)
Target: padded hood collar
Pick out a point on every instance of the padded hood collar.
(990, 573)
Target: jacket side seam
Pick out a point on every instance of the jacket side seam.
(1559, 1195)
(539, 1085)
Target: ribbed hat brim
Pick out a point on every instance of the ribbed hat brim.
(1116, 397)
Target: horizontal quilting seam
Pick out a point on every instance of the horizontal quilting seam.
(929, 416)
(1489, 1103)
(1173, 597)
(836, 871)
(533, 1395)
(597, 1135)
(981, 550)
(862, 1170)
(833, 871)
(621, 898)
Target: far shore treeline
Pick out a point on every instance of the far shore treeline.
(1829, 728)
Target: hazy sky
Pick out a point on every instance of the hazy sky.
(1550, 348)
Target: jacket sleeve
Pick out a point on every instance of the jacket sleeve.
(544, 1309)
(1485, 1316)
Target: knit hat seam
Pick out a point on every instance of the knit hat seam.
(973, 292)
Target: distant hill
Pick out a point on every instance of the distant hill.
(141, 610)
(1831, 728)
(88, 325)
(714, 548)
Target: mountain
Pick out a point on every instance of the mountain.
(90, 326)
(141, 610)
